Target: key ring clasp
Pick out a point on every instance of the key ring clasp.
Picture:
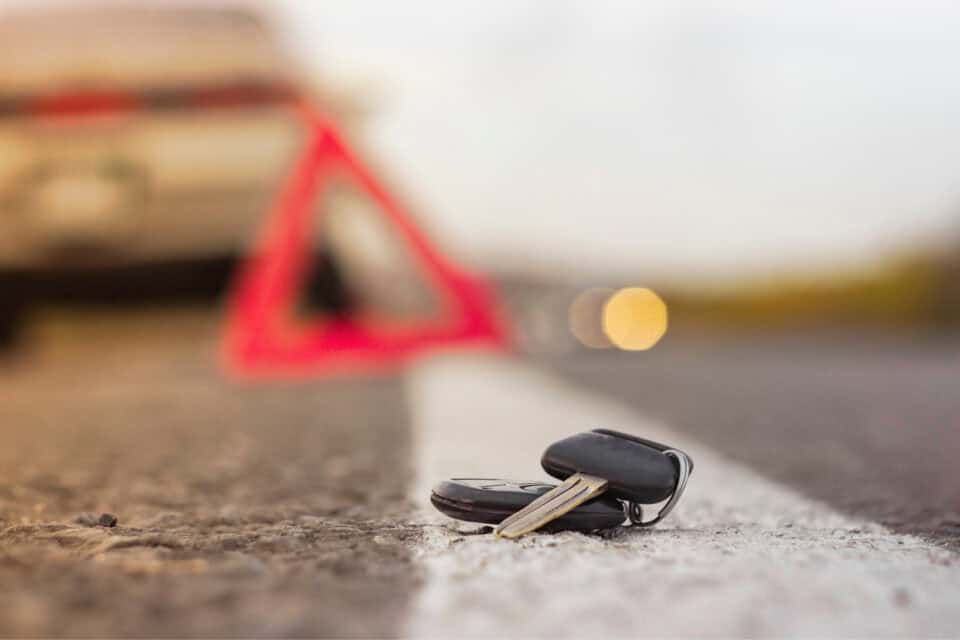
(684, 467)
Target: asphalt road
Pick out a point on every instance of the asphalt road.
(275, 510)
(742, 555)
(867, 424)
(292, 510)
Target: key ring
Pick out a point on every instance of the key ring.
(635, 512)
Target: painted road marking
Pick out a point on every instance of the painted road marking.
(740, 555)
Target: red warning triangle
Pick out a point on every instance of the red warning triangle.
(262, 336)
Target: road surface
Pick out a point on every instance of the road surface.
(273, 510)
(869, 425)
(822, 501)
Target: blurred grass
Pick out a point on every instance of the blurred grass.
(910, 292)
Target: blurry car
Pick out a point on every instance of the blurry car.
(135, 137)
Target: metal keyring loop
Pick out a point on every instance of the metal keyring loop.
(685, 465)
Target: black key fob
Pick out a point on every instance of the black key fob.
(490, 500)
(637, 469)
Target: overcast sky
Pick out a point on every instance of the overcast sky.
(663, 136)
(658, 136)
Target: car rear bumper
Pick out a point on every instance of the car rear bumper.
(198, 279)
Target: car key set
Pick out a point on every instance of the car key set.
(607, 478)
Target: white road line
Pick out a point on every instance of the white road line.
(740, 555)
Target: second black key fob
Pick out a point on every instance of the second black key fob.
(490, 500)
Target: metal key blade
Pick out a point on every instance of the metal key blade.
(574, 491)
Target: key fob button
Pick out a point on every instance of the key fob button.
(491, 500)
(635, 469)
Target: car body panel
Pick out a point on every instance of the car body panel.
(135, 134)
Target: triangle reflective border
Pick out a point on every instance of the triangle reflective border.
(263, 339)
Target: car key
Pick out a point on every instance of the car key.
(626, 467)
(490, 500)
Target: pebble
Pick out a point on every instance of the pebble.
(86, 519)
(107, 520)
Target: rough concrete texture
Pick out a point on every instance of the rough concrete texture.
(287, 510)
(243, 510)
(740, 556)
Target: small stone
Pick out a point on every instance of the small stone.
(107, 520)
(86, 519)
(479, 531)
